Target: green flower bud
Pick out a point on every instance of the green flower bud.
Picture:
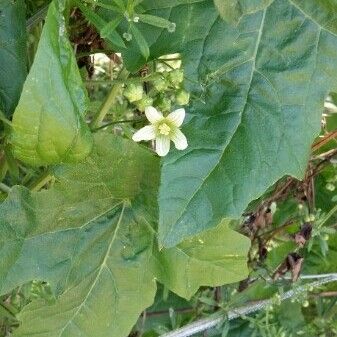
(312, 217)
(305, 304)
(182, 97)
(330, 187)
(171, 27)
(127, 36)
(160, 84)
(326, 237)
(164, 104)
(144, 102)
(176, 77)
(134, 92)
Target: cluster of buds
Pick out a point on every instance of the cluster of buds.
(165, 91)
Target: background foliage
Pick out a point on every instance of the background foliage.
(101, 238)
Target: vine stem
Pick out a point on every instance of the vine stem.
(219, 317)
(4, 188)
(110, 100)
(37, 17)
(45, 178)
(119, 122)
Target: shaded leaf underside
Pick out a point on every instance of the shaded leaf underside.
(13, 68)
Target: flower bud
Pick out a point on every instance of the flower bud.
(160, 84)
(144, 102)
(164, 104)
(176, 76)
(305, 304)
(127, 36)
(182, 97)
(330, 187)
(171, 27)
(134, 92)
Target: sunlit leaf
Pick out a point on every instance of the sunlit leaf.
(143, 47)
(48, 123)
(109, 27)
(213, 258)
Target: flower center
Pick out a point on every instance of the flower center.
(164, 129)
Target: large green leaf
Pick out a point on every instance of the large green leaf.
(213, 258)
(321, 12)
(258, 92)
(89, 238)
(233, 10)
(48, 124)
(13, 68)
(108, 289)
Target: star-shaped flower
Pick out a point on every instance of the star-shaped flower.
(163, 130)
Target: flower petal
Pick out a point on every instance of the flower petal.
(162, 145)
(145, 133)
(179, 140)
(177, 117)
(153, 115)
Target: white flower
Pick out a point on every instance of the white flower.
(163, 130)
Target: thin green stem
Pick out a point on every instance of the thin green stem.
(327, 216)
(4, 119)
(100, 4)
(118, 122)
(12, 311)
(168, 59)
(110, 100)
(4, 188)
(168, 65)
(92, 52)
(41, 181)
(147, 78)
(37, 17)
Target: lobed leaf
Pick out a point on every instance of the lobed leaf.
(89, 238)
(213, 258)
(259, 111)
(258, 90)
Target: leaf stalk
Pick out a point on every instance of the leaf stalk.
(110, 100)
